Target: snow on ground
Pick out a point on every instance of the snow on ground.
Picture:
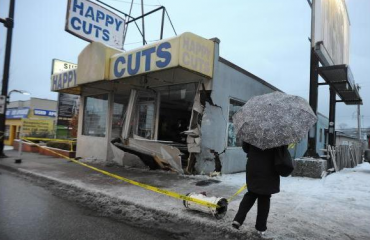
(335, 207)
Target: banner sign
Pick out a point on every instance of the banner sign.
(188, 51)
(59, 66)
(68, 105)
(94, 23)
(64, 80)
(44, 113)
(16, 113)
(32, 126)
(332, 32)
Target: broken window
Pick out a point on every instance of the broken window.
(119, 113)
(95, 115)
(234, 106)
(145, 115)
(176, 102)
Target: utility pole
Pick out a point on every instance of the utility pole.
(8, 23)
(358, 117)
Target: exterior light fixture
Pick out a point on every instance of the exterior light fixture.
(17, 91)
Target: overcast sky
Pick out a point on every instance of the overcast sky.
(268, 38)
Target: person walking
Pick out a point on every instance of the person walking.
(262, 181)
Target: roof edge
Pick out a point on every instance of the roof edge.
(245, 72)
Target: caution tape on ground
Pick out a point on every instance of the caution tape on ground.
(47, 139)
(237, 193)
(142, 185)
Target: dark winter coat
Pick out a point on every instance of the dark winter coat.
(261, 175)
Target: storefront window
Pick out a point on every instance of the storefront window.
(231, 137)
(95, 115)
(175, 111)
(145, 115)
(119, 114)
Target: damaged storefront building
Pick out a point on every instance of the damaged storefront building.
(164, 105)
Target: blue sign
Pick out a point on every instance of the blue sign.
(16, 113)
(64, 80)
(153, 58)
(44, 113)
(94, 23)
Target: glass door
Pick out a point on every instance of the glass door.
(145, 118)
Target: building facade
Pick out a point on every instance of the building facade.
(35, 108)
(171, 100)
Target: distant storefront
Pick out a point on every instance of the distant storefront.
(42, 111)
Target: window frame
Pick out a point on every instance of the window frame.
(107, 125)
(227, 123)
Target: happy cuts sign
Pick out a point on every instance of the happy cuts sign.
(94, 23)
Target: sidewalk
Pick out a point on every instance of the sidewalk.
(336, 207)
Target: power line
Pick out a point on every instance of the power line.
(131, 43)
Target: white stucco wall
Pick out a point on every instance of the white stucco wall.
(90, 146)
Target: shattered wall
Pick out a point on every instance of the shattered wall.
(230, 81)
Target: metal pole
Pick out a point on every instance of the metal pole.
(314, 79)
(163, 12)
(332, 106)
(20, 146)
(9, 22)
(127, 15)
(143, 25)
(331, 132)
(359, 118)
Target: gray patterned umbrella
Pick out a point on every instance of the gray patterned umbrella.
(273, 119)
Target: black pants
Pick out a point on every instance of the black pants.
(263, 208)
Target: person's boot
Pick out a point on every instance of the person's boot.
(235, 225)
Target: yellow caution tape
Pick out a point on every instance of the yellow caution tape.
(48, 139)
(145, 186)
(237, 193)
(51, 139)
(292, 145)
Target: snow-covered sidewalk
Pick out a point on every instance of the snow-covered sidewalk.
(335, 207)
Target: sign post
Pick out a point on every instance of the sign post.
(2, 104)
(64, 74)
(20, 146)
(8, 23)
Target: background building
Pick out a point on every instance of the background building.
(35, 108)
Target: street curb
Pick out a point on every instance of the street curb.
(128, 211)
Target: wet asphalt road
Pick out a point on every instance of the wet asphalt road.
(31, 212)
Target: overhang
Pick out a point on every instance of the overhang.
(341, 79)
(98, 62)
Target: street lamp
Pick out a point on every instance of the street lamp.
(4, 118)
(17, 91)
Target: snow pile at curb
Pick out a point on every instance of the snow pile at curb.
(133, 209)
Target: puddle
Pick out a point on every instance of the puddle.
(207, 182)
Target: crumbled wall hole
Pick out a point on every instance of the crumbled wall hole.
(194, 134)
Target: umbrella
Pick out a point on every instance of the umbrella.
(273, 120)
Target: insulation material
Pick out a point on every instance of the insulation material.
(193, 139)
(194, 148)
